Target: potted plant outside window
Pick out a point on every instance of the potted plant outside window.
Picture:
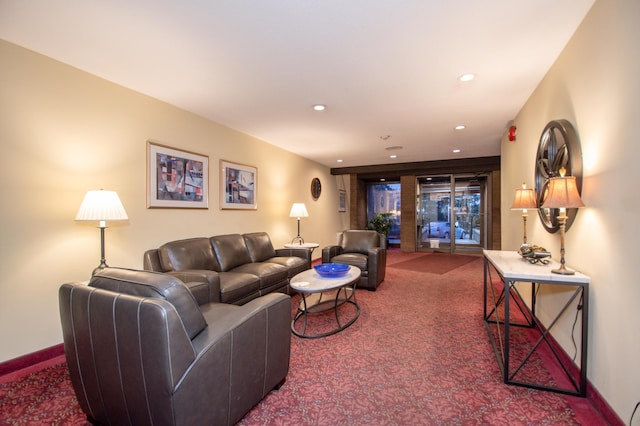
(381, 223)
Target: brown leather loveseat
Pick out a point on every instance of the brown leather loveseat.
(141, 350)
(238, 268)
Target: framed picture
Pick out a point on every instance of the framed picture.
(176, 178)
(342, 200)
(238, 186)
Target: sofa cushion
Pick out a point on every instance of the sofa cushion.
(238, 287)
(259, 246)
(269, 274)
(294, 264)
(353, 259)
(200, 291)
(183, 255)
(230, 251)
(154, 285)
(359, 241)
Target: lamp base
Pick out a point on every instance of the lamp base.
(563, 271)
(103, 261)
(100, 267)
(298, 239)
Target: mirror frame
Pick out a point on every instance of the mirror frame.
(558, 147)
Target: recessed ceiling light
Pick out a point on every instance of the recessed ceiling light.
(319, 107)
(456, 150)
(393, 148)
(460, 127)
(339, 161)
(467, 77)
(382, 180)
(393, 156)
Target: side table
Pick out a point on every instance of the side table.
(308, 246)
(511, 269)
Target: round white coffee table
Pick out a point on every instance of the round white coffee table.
(320, 295)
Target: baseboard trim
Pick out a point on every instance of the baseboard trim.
(593, 396)
(603, 407)
(31, 359)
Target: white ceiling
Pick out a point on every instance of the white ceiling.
(382, 67)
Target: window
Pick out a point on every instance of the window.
(385, 198)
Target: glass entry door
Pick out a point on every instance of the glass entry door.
(451, 223)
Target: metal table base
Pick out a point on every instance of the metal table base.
(499, 328)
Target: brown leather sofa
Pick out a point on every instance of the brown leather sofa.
(362, 248)
(237, 268)
(141, 350)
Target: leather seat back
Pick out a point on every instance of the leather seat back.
(359, 241)
(154, 285)
(259, 246)
(230, 251)
(188, 254)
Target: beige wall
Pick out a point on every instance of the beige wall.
(64, 132)
(594, 84)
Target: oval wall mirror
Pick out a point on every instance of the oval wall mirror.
(559, 147)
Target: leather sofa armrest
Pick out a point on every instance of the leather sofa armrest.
(248, 341)
(329, 252)
(277, 307)
(377, 264)
(236, 314)
(151, 261)
(212, 278)
(383, 240)
(301, 253)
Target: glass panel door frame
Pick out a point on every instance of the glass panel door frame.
(436, 214)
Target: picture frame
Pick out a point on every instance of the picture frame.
(238, 186)
(176, 178)
(342, 200)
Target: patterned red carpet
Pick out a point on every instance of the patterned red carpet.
(418, 355)
(41, 395)
(435, 263)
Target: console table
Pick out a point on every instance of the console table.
(511, 268)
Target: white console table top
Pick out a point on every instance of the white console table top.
(514, 267)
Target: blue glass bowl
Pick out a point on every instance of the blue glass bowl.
(331, 270)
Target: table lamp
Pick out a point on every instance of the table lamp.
(298, 210)
(101, 206)
(562, 193)
(525, 199)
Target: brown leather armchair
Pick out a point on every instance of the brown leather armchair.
(362, 248)
(141, 351)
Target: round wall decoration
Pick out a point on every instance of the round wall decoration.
(559, 147)
(316, 188)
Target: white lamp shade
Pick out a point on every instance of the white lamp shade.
(298, 210)
(101, 205)
(562, 193)
(525, 199)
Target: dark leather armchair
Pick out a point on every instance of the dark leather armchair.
(141, 351)
(365, 249)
